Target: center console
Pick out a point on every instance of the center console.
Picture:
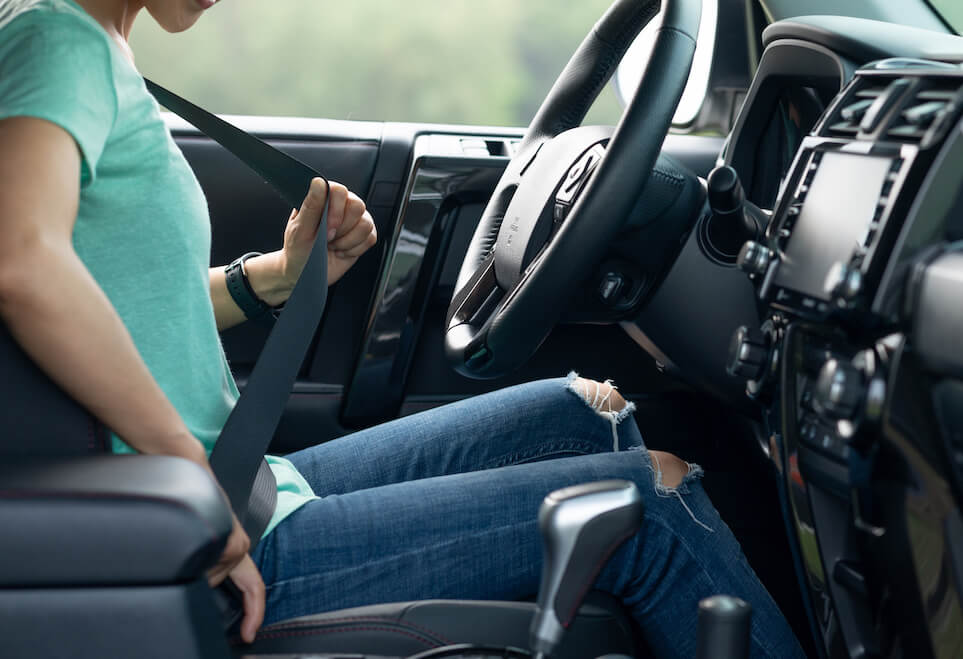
(872, 473)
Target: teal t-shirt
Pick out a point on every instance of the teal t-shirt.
(143, 228)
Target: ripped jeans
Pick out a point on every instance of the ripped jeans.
(443, 504)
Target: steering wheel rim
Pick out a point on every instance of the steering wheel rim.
(498, 317)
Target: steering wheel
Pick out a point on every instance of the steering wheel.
(567, 191)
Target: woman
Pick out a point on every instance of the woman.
(104, 281)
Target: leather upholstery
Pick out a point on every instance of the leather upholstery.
(108, 520)
(407, 628)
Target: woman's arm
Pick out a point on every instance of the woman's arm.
(54, 307)
(351, 232)
(58, 313)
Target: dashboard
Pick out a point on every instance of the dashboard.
(850, 145)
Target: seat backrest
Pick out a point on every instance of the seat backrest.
(37, 417)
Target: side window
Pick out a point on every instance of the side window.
(445, 61)
(633, 65)
(951, 11)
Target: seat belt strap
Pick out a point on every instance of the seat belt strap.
(238, 456)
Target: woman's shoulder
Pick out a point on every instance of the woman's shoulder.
(49, 22)
(53, 39)
(56, 64)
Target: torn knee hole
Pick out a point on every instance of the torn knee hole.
(601, 396)
(670, 468)
(603, 399)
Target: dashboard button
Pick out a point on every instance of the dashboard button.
(846, 281)
(611, 287)
(748, 354)
(754, 258)
(839, 390)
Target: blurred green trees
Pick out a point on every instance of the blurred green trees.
(952, 12)
(453, 61)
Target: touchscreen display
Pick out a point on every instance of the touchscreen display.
(841, 202)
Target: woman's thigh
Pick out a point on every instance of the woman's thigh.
(515, 425)
(474, 535)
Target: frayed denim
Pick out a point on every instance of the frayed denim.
(443, 504)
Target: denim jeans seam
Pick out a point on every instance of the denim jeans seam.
(695, 558)
(460, 538)
(559, 448)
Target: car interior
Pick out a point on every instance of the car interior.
(777, 285)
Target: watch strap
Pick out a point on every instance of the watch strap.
(243, 294)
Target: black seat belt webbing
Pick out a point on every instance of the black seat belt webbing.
(238, 456)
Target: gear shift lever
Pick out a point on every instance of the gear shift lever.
(723, 628)
(581, 527)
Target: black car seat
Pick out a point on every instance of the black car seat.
(105, 556)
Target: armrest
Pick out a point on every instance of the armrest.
(108, 520)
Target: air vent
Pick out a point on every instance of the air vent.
(927, 107)
(845, 122)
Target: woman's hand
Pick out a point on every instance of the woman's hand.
(351, 231)
(235, 551)
(248, 580)
(236, 564)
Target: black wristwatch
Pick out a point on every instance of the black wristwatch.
(243, 294)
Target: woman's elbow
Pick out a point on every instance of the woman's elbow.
(27, 266)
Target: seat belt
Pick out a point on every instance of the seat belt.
(238, 456)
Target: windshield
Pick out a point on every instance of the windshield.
(951, 11)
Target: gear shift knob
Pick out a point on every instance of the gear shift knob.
(581, 527)
(723, 628)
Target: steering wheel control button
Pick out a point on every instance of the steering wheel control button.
(748, 354)
(560, 212)
(578, 175)
(611, 287)
(839, 390)
(530, 215)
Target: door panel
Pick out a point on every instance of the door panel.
(247, 215)
(342, 386)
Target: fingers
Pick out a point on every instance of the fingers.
(337, 208)
(248, 580)
(351, 230)
(234, 552)
(313, 202)
(359, 239)
(352, 211)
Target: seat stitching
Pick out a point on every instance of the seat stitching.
(125, 497)
(319, 632)
(328, 621)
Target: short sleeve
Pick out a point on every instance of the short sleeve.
(58, 67)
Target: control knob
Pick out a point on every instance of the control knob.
(754, 258)
(839, 390)
(748, 354)
(847, 281)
